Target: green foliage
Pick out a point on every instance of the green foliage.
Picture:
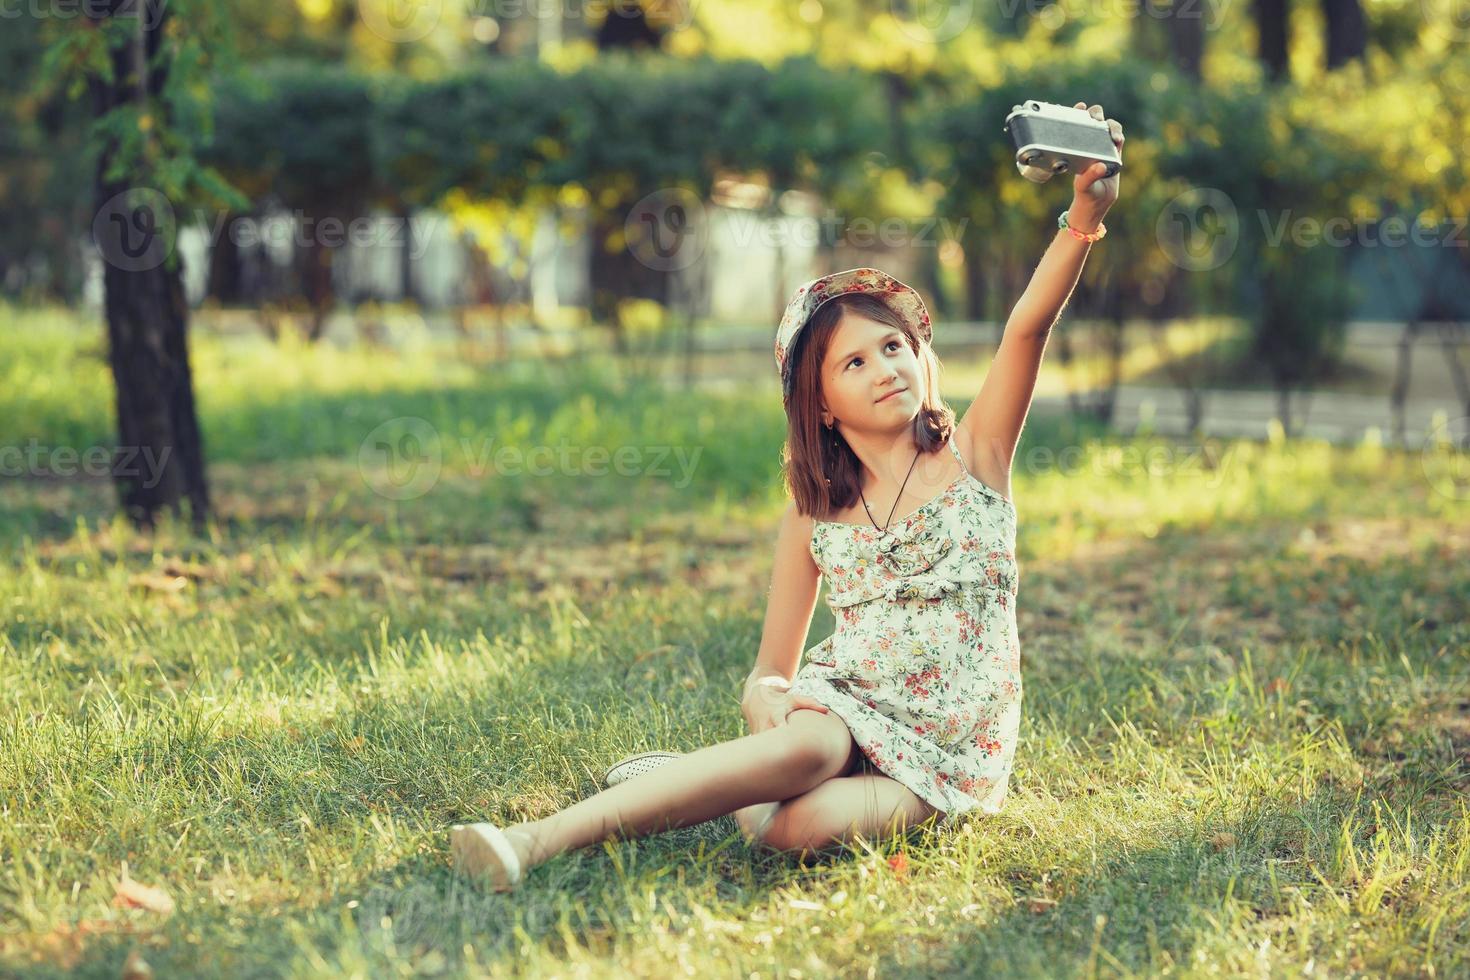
(622, 124)
(494, 132)
(302, 132)
(148, 141)
(43, 162)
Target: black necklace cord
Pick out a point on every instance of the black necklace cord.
(889, 522)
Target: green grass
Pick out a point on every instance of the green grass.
(1245, 749)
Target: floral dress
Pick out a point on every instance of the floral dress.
(925, 664)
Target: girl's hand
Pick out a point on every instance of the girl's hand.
(767, 705)
(1092, 193)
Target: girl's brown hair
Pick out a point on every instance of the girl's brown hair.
(821, 472)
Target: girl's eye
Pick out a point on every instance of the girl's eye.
(891, 343)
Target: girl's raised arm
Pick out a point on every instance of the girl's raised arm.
(993, 422)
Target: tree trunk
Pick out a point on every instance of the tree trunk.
(974, 267)
(1398, 396)
(314, 261)
(1347, 31)
(1271, 33)
(405, 258)
(160, 456)
(224, 267)
(617, 275)
(1283, 404)
(1184, 31)
(1187, 37)
(1194, 407)
(159, 461)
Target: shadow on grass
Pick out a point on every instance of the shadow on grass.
(1133, 909)
(266, 458)
(1148, 909)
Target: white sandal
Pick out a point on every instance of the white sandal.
(483, 851)
(637, 765)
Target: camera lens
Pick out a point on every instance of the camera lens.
(1059, 167)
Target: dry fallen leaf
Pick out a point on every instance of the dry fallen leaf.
(900, 864)
(167, 584)
(1223, 840)
(136, 895)
(1040, 906)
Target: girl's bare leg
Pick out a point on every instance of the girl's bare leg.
(832, 813)
(779, 763)
(755, 820)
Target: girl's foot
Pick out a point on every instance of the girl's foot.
(485, 851)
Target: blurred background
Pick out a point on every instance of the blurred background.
(467, 186)
(447, 325)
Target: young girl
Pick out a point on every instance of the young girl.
(909, 711)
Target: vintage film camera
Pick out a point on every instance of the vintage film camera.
(1056, 139)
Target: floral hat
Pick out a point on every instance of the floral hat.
(904, 300)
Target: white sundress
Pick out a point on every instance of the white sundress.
(925, 663)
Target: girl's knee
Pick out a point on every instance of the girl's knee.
(813, 742)
(789, 833)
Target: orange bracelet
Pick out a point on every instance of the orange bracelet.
(1082, 236)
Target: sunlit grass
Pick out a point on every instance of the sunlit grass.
(1245, 749)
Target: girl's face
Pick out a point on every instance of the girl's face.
(871, 381)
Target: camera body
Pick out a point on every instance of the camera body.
(1055, 139)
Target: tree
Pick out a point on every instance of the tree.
(1183, 32)
(1346, 29)
(140, 62)
(1271, 36)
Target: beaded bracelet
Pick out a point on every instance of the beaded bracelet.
(1082, 236)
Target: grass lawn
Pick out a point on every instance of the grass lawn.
(1245, 745)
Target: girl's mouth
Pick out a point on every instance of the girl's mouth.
(890, 395)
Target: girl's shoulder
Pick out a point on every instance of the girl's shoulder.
(984, 466)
